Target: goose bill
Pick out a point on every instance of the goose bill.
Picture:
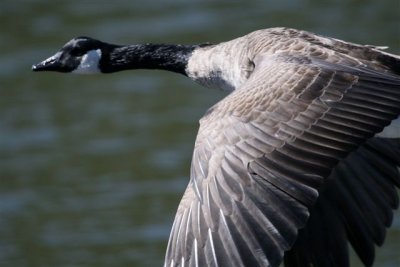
(50, 64)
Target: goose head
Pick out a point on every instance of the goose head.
(79, 55)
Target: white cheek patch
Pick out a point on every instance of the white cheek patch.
(89, 63)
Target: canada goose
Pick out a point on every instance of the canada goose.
(292, 164)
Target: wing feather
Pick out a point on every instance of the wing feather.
(355, 204)
(265, 153)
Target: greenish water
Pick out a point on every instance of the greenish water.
(92, 167)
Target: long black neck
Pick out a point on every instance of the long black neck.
(146, 56)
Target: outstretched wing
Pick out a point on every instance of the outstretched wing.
(263, 153)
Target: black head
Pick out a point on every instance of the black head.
(81, 55)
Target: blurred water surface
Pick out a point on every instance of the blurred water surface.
(92, 167)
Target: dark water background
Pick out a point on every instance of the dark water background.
(92, 167)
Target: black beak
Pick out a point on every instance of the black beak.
(50, 64)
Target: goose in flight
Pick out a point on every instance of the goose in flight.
(298, 161)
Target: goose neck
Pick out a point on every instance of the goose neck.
(168, 57)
